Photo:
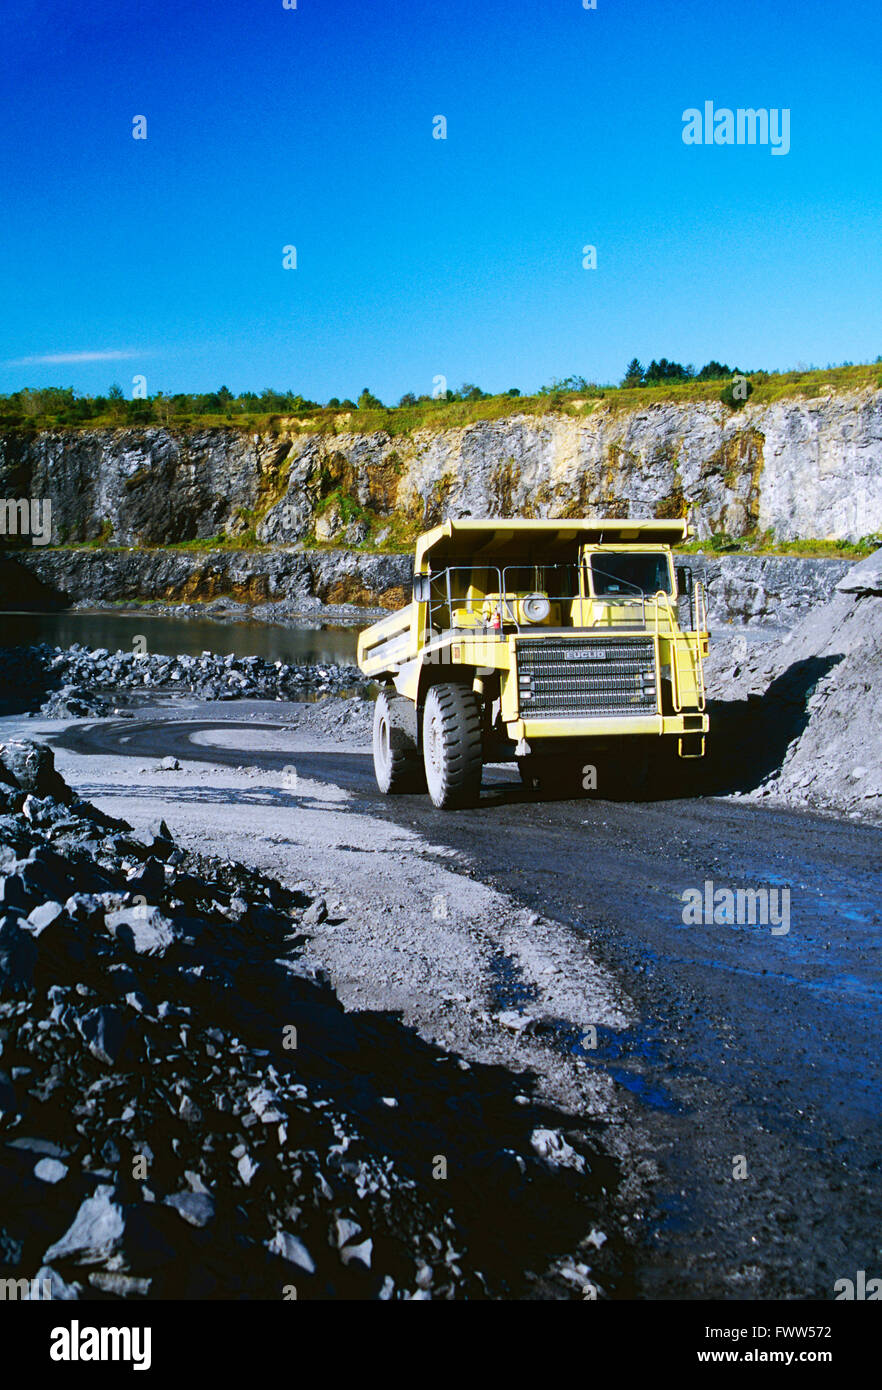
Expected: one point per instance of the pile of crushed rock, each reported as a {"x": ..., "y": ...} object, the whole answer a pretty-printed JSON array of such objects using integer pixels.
[
  {"x": 811, "y": 701},
  {"x": 76, "y": 682}
]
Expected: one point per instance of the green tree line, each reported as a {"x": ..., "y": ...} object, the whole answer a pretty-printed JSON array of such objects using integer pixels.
[{"x": 38, "y": 407}]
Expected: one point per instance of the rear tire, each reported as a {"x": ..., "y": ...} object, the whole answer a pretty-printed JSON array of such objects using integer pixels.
[
  {"x": 452, "y": 745},
  {"x": 397, "y": 765}
]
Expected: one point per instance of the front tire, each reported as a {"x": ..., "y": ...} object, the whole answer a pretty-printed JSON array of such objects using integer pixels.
[
  {"x": 452, "y": 745},
  {"x": 396, "y": 760}
]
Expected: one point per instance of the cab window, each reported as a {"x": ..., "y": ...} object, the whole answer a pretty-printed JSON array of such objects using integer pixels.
[{"x": 629, "y": 575}]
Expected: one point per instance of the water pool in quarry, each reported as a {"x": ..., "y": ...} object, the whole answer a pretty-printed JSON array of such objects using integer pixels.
[{"x": 181, "y": 636}]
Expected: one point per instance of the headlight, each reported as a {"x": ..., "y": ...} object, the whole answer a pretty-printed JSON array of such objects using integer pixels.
[{"x": 535, "y": 608}]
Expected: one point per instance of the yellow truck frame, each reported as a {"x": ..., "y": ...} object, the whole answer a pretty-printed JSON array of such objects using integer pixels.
[{"x": 537, "y": 641}]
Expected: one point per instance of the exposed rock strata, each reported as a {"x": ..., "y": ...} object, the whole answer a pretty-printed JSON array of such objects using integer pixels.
[{"x": 800, "y": 466}]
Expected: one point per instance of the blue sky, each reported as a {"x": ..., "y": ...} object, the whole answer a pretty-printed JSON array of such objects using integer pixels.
[{"x": 416, "y": 257}]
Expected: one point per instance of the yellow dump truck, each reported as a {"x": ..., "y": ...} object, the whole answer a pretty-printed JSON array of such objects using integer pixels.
[{"x": 543, "y": 642}]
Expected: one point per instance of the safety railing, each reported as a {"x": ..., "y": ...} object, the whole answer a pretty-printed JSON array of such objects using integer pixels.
[
  {"x": 625, "y": 610},
  {"x": 447, "y": 599},
  {"x": 513, "y": 583}
]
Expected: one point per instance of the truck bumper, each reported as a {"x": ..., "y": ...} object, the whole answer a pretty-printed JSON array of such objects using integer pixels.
[{"x": 688, "y": 722}]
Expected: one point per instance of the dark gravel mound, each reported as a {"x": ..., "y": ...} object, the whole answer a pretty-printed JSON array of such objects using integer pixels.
[{"x": 798, "y": 718}]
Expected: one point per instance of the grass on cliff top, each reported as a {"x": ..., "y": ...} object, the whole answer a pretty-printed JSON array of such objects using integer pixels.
[
  {"x": 723, "y": 544},
  {"x": 767, "y": 387}
]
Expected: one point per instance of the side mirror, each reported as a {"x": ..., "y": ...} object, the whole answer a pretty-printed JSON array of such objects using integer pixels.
[
  {"x": 422, "y": 585},
  {"x": 684, "y": 581}
]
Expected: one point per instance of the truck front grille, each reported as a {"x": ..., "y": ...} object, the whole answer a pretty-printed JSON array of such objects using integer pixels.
[{"x": 562, "y": 677}]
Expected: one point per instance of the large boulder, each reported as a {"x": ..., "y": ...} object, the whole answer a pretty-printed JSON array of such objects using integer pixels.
[
  {"x": 142, "y": 928},
  {"x": 864, "y": 578},
  {"x": 31, "y": 767}
]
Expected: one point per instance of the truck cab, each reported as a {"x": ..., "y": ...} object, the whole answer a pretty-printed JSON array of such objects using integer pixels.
[{"x": 536, "y": 641}]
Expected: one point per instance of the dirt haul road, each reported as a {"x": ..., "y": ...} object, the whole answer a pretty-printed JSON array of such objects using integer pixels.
[{"x": 736, "y": 1069}]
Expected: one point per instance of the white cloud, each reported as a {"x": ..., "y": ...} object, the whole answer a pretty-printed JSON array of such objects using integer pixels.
[{"x": 50, "y": 359}]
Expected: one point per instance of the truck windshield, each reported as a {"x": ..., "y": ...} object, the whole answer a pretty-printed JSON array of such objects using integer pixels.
[{"x": 623, "y": 574}]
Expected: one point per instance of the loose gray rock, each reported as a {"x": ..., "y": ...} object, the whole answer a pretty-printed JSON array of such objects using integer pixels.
[
  {"x": 263, "y": 1103},
  {"x": 148, "y": 879},
  {"x": 97, "y": 1230},
  {"x": 196, "y": 1208},
  {"x": 317, "y": 912},
  {"x": 123, "y": 1285},
  {"x": 50, "y": 1170},
  {"x": 247, "y": 1168},
  {"x": 38, "y": 1146},
  {"x": 292, "y": 1249},
  {"x": 144, "y": 928},
  {"x": 346, "y": 1230},
  {"x": 104, "y": 1031},
  {"x": 44, "y": 915},
  {"x": 60, "y": 1291},
  {"x": 551, "y": 1145},
  {"x": 157, "y": 837},
  {"x": 362, "y": 1252}
]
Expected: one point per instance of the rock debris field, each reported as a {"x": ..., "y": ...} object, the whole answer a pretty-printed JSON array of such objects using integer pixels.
[{"x": 187, "y": 1111}]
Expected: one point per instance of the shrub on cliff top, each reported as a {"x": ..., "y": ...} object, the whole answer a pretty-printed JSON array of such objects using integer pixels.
[{"x": 735, "y": 392}]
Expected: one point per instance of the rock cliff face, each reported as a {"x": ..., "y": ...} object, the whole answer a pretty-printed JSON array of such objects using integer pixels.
[
  {"x": 764, "y": 590},
  {"x": 801, "y": 467},
  {"x": 47, "y": 578}
]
